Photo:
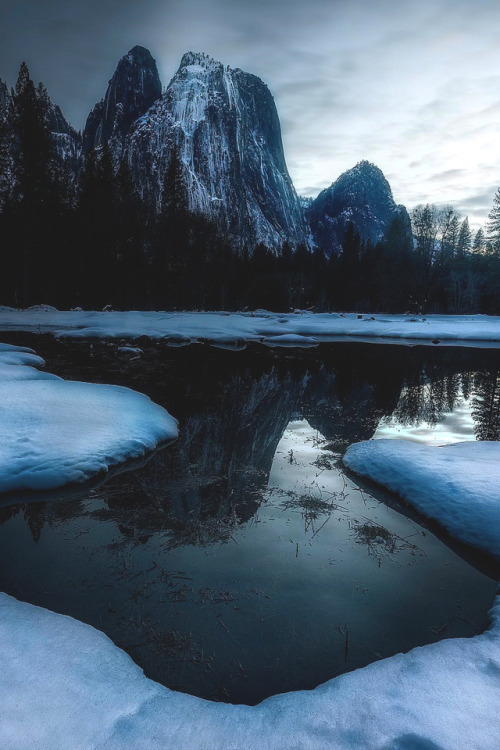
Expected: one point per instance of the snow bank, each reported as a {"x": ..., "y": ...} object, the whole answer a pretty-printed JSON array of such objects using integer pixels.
[
  {"x": 457, "y": 485},
  {"x": 473, "y": 330},
  {"x": 55, "y": 432},
  {"x": 65, "y": 685}
]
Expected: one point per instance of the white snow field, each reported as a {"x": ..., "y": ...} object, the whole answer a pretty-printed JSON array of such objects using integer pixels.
[
  {"x": 457, "y": 485},
  {"x": 471, "y": 330},
  {"x": 65, "y": 686},
  {"x": 55, "y": 432}
]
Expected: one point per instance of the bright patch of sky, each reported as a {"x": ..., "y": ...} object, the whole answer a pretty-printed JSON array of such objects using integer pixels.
[{"x": 412, "y": 86}]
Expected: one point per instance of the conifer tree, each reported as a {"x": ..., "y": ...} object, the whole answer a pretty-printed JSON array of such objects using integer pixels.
[
  {"x": 479, "y": 242},
  {"x": 493, "y": 226},
  {"x": 174, "y": 197},
  {"x": 34, "y": 175},
  {"x": 464, "y": 242}
]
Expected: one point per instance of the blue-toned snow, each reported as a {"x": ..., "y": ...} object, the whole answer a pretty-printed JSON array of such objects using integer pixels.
[
  {"x": 457, "y": 485},
  {"x": 55, "y": 432},
  {"x": 273, "y": 328}
]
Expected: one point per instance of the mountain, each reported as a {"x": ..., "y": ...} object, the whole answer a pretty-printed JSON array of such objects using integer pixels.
[
  {"x": 132, "y": 90},
  {"x": 4, "y": 98},
  {"x": 67, "y": 141},
  {"x": 362, "y": 196},
  {"x": 226, "y": 129}
]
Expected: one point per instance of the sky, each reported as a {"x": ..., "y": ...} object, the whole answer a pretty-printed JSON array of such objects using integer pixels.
[{"x": 411, "y": 85}]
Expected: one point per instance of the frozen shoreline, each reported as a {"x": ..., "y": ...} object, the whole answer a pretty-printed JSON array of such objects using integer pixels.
[
  {"x": 65, "y": 685},
  {"x": 55, "y": 432},
  {"x": 456, "y": 485},
  {"x": 274, "y": 329}
]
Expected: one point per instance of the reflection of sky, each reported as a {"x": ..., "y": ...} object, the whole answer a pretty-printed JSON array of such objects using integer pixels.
[
  {"x": 455, "y": 427},
  {"x": 298, "y": 448},
  {"x": 411, "y": 85}
]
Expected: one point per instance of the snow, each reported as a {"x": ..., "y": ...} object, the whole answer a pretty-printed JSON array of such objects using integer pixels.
[
  {"x": 55, "y": 432},
  {"x": 132, "y": 351},
  {"x": 291, "y": 339},
  {"x": 469, "y": 330},
  {"x": 457, "y": 485},
  {"x": 65, "y": 685}
]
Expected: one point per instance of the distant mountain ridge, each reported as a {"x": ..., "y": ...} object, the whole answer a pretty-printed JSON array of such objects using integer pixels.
[
  {"x": 224, "y": 125},
  {"x": 361, "y": 195}
]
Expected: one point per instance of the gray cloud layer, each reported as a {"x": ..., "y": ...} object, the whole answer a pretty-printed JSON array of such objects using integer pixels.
[{"x": 407, "y": 84}]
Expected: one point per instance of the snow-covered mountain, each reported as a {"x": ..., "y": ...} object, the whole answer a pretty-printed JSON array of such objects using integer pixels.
[
  {"x": 67, "y": 141},
  {"x": 361, "y": 195},
  {"x": 134, "y": 87},
  {"x": 226, "y": 128}
]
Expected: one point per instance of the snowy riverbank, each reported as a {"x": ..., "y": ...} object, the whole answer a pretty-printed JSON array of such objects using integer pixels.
[
  {"x": 65, "y": 685},
  {"x": 274, "y": 329},
  {"x": 457, "y": 485},
  {"x": 55, "y": 432}
]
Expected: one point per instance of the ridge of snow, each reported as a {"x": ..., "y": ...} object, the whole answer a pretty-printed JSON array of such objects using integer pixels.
[
  {"x": 64, "y": 684},
  {"x": 468, "y": 330},
  {"x": 457, "y": 485},
  {"x": 55, "y": 432}
]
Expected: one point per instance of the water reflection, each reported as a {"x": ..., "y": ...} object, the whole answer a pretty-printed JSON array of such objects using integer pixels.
[
  {"x": 231, "y": 564},
  {"x": 234, "y": 407}
]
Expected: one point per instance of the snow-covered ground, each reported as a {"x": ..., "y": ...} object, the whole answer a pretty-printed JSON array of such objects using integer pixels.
[
  {"x": 457, "y": 485},
  {"x": 272, "y": 328},
  {"x": 55, "y": 432},
  {"x": 65, "y": 685}
]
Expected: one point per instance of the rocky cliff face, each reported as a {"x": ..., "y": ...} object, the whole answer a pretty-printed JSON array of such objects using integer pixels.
[
  {"x": 132, "y": 90},
  {"x": 67, "y": 142},
  {"x": 361, "y": 195},
  {"x": 225, "y": 126},
  {"x": 4, "y": 98}
]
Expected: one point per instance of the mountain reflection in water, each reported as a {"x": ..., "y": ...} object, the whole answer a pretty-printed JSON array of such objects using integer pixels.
[{"x": 241, "y": 559}]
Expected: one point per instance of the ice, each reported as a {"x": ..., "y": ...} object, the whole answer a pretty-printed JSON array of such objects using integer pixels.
[
  {"x": 468, "y": 330},
  {"x": 55, "y": 432},
  {"x": 457, "y": 485}
]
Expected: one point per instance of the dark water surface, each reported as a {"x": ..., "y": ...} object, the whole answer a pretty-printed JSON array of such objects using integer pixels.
[{"x": 242, "y": 561}]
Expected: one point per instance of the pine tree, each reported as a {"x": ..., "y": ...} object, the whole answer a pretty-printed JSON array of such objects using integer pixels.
[
  {"x": 130, "y": 286},
  {"x": 464, "y": 242},
  {"x": 479, "y": 242},
  {"x": 33, "y": 193},
  {"x": 493, "y": 226},
  {"x": 34, "y": 144},
  {"x": 174, "y": 196},
  {"x": 486, "y": 405}
]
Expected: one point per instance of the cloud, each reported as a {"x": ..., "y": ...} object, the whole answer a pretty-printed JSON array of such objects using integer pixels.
[
  {"x": 447, "y": 175},
  {"x": 411, "y": 91}
]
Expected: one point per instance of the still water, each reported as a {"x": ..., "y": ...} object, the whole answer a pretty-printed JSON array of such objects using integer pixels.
[{"x": 242, "y": 560}]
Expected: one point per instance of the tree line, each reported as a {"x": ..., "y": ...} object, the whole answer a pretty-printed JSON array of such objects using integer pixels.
[{"x": 88, "y": 239}]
